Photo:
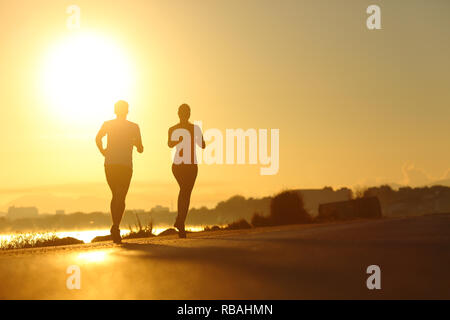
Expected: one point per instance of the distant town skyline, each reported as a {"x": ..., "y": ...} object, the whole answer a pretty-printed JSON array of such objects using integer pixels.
[{"x": 145, "y": 199}]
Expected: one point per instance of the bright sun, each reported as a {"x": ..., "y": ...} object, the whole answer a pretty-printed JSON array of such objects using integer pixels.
[{"x": 84, "y": 75}]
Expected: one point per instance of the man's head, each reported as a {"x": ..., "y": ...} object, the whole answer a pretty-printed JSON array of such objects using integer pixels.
[
  {"x": 121, "y": 109},
  {"x": 184, "y": 112}
]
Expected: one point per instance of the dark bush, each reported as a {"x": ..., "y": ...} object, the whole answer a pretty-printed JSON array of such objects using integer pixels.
[
  {"x": 237, "y": 225},
  {"x": 168, "y": 232},
  {"x": 213, "y": 228},
  {"x": 287, "y": 208},
  {"x": 258, "y": 220}
]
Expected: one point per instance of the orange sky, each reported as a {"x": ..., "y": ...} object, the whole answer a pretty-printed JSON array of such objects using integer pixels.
[{"x": 354, "y": 107}]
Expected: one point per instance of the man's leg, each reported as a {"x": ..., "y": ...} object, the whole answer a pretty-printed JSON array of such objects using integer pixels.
[
  {"x": 119, "y": 205},
  {"x": 119, "y": 181},
  {"x": 111, "y": 178},
  {"x": 116, "y": 208},
  {"x": 124, "y": 179}
]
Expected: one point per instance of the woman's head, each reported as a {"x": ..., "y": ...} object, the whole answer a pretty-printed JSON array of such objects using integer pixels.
[{"x": 184, "y": 112}]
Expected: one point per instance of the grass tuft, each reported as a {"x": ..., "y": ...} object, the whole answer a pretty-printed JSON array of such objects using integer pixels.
[{"x": 36, "y": 240}]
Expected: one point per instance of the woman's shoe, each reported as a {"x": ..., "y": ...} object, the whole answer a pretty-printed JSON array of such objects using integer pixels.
[
  {"x": 182, "y": 234},
  {"x": 178, "y": 225},
  {"x": 181, "y": 230},
  {"x": 115, "y": 234}
]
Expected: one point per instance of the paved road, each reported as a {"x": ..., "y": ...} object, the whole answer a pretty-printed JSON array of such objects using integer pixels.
[{"x": 292, "y": 262}]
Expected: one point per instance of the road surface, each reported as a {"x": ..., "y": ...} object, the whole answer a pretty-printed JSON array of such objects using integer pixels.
[{"x": 322, "y": 261}]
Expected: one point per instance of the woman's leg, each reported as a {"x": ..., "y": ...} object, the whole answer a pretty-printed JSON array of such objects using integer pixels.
[{"x": 186, "y": 176}]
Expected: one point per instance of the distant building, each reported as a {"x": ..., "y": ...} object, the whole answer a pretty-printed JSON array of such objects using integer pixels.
[
  {"x": 134, "y": 211},
  {"x": 60, "y": 212},
  {"x": 15, "y": 213},
  {"x": 312, "y": 198},
  {"x": 159, "y": 209}
]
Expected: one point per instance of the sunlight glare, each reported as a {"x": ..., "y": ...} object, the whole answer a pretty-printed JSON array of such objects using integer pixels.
[
  {"x": 93, "y": 257},
  {"x": 85, "y": 75}
]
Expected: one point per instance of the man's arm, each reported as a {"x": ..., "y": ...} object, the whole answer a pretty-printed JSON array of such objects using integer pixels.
[
  {"x": 138, "y": 142},
  {"x": 98, "y": 139}
]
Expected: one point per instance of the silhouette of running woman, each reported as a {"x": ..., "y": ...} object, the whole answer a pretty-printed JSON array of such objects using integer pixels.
[
  {"x": 184, "y": 136},
  {"x": 122, "y": 136}
]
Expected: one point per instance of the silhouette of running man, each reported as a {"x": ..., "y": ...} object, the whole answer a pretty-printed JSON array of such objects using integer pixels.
[
  {"x": 122, "y": 136},
  {"x": 184, "y": 136}
]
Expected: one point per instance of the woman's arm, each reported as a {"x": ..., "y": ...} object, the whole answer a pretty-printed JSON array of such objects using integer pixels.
[
  {"x": 171, "y": 143},
  {"x": 203, "y": 143},
  {"x": 199, "y": 137}
]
